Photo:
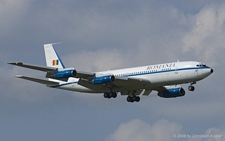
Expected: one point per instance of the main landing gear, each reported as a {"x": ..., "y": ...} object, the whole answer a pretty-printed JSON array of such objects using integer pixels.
[
  {"x": 133, "y": 99},
  {"x": 110, "y": 95},
  {"x": 191, "y": 87}
]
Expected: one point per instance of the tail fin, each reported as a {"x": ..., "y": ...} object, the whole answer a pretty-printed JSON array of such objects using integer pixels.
[{"x": 52, "y": 58}]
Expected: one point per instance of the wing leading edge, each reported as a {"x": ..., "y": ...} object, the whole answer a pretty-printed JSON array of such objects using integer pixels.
[{"x": 35, "y": 67}]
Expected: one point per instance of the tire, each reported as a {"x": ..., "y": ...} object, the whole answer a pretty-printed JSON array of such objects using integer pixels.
[
  {"x": 114, "y": 94},
  {"x": 137, "y": 99},
  {"x": 191, "y": 88},
  {"x": 106, "y": 95},
  {"x": 128, "y": 99}
]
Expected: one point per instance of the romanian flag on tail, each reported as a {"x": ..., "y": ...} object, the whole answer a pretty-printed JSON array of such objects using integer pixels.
[{"x": 55, "y": 62}]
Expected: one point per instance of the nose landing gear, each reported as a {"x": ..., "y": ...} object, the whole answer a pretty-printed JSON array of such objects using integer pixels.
[{"x": 191, "y": 87}]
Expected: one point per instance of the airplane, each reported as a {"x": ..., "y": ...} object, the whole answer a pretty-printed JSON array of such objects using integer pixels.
[{"x": 132, "y": 82}]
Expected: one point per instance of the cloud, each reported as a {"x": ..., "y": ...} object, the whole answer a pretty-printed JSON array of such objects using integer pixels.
[
  {"x": 206, "y": 36},
  {"x": 138, "y": 130},
  {"x": 211, "y": 134},
  {"x": 215, "y": 134},
  {"x": 140, "y": 33},
  {"x": 95, "y": 60}
]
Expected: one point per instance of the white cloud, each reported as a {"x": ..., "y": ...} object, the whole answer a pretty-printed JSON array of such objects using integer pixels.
[
  {"x": 215, "y": 134},
  {"x": 95, "y": 60},
  {"x": 211, "y": 134},
  {"x": 138, "y": 130},
  {"x": 206, "y": 37}
]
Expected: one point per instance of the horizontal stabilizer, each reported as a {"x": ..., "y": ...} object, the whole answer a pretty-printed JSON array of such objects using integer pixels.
[
  {"x": 41, "y": 81},
  {"x": 40, "y": 68}
]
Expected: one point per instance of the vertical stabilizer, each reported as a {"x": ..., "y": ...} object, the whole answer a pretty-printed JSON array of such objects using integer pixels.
[{"x": 52, "y": 58}]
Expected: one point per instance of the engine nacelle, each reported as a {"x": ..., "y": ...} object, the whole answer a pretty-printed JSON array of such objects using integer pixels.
[
  {"x": 61, "y": 74},
  {"x": 103, "y": 79},
  {"x": 172, "y": 92}
]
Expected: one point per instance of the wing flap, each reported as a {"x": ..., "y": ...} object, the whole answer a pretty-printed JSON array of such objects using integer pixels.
[
  {"x": 41, "y": 81},
  {"x": 35, "y": 67}
]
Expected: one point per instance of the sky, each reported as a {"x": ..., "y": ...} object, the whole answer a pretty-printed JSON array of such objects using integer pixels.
[{"x": 101, "y": 35}]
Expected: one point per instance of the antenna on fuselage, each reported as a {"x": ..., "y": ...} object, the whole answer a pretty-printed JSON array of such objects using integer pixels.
[{"x": 178, "y": 61}]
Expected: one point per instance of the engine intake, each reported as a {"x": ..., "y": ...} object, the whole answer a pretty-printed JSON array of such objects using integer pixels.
[
  {"x": 61, "y": 74},
  {"x": 103, "y": 79},
  {"x": 172, "y": 92}
]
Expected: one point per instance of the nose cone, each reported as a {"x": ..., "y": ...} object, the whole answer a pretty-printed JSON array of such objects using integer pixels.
[{"x": 211, "y": 70}]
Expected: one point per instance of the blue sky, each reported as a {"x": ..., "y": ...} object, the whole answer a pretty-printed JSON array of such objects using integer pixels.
[{"x": 102, "y": 35}]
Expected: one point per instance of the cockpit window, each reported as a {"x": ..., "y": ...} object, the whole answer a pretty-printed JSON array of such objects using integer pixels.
[{"x": 201, "y": 65}]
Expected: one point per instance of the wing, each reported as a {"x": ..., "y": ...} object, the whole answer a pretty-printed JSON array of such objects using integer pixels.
[
  {"x": 41, "y": 81},
  {"x": 119, "y": 84},
  {"x": 35, "y": 67}
]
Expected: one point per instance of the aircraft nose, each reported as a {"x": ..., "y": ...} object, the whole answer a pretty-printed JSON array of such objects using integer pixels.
[{"x": 211, "y": 70}]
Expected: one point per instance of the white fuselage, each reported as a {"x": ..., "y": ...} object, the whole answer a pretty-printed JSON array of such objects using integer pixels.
[{"x": 159, "y": 75}]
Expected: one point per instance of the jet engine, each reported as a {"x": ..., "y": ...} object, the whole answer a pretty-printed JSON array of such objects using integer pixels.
[
  {"x": 61, "y": 74},
  {"x": 172, "y": 92},
  {"x": 103, "y": 79}
]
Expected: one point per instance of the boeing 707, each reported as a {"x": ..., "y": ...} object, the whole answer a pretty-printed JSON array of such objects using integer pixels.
[{"x": 132, "y": 82}]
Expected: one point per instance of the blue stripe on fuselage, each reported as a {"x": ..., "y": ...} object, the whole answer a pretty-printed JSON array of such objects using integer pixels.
[{"x": 154, "y": 72}]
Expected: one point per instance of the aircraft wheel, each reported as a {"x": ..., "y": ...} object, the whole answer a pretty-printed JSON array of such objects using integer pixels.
[
  {"x": 134, "y": 98},
  {"x": 191, "y": 88},
  {"x": 137, "y": 99},
  {"x": 128, "y": 99},
  {"x": 114, "y": 94},
  {"x": 110, "y": 95},
  {"x": 106, "y": 95}
]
